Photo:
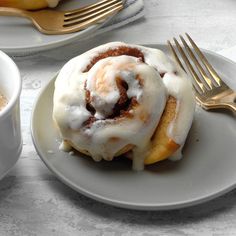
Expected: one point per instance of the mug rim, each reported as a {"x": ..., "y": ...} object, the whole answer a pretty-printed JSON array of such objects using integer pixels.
[{"x": 14, "y": 98}]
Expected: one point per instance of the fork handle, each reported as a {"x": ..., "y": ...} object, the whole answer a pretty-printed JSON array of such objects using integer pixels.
[
  {"x": 232, "y": 107},
  {"x": 228, "y": 103},
  {"x": 11, "y": 11},
  {"x": 231, "y": 102}
]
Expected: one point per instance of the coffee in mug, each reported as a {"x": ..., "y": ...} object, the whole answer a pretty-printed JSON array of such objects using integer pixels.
[{"x": 3, "y": 102}]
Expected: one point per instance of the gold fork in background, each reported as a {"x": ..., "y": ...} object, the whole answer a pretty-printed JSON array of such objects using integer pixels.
[
  {"x": 63, "y": 22},
  {"x": 210, "y": 90}
]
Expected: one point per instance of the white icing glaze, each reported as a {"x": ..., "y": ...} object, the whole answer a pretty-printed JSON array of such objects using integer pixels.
[
  {"x": 64, "y": 146},
  {"x": 101, "y": 83},
  {"x": 180, "y": 88},
  {"x": 177, "y": 155},
  {"x": 105, "y": 137}
]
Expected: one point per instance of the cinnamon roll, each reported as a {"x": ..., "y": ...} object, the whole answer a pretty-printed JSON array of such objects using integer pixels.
[
  {"x": 118, "y": 98},
  {"x": 29, "y": 4}
]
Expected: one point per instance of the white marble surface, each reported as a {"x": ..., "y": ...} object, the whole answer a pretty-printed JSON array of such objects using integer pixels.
[{"x": 34, "y": 202}]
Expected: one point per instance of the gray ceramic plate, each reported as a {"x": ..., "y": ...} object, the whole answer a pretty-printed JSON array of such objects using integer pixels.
[
  {"x": 19, "y": 36},
  {"x": 206, "y": 171}
]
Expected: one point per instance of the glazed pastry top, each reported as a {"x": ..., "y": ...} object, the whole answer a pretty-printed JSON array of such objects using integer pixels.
[{"x": 119, "y": 100}]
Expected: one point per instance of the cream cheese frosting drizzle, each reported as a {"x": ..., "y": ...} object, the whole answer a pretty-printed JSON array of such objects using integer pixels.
[{"x": 94, "y": 129}]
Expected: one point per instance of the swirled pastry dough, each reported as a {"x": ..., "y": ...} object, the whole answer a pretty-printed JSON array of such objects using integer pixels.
[{"x": 111, "y": 99}]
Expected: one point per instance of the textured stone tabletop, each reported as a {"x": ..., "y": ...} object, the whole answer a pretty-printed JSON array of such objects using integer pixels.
[{"x": 34, "y": 202}]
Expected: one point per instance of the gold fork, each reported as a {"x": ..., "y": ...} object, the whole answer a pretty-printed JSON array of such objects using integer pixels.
[
  {"x": 210, "y": 90},
  {"x": 62, "y": 22}
]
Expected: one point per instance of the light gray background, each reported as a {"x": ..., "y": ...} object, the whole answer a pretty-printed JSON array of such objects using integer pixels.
[{"x": 34, "y": 202}]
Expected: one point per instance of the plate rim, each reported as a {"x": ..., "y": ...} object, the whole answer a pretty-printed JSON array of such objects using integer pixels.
[
  {"x": 117, "y": 203},
  {"x": 69, "y": 38}
]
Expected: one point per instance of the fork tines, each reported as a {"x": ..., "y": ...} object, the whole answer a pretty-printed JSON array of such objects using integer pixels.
[
  {"x": 91, "y": 11},
  {"x": 203, "y": 79}
]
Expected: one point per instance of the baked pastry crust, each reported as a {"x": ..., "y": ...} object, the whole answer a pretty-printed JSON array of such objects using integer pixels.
[
  {"x": 28, "y": 4},
  {"x": 162, "y": 146}
]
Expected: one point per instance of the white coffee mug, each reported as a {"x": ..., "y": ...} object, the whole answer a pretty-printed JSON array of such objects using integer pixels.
[{"x": 10, "y": 131}]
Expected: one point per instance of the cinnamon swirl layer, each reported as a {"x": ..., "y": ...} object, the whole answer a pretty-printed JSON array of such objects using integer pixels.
[{"x": 109, "y": 101}]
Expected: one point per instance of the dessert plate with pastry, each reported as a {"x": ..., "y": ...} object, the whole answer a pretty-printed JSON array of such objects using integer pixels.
[
  {"x": 13, "y": 30},
  {"x": 119, "y": 124}
]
